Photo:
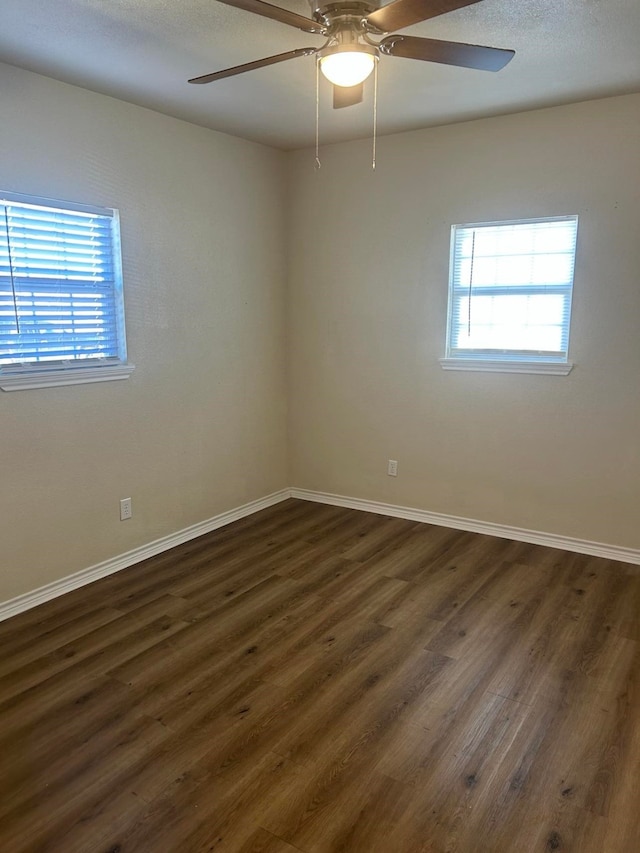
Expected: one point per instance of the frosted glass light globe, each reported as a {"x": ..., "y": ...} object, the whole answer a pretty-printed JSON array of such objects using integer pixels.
[{"x": 347, "y": 67}]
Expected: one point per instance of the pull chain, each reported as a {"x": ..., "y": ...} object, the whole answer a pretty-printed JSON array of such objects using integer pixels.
[
  {"x": 13, "y": 283},
  {"x": 473, "y": 255},
  {"x": 318, "y": 164},
  {"x": 375, "y": 112}
]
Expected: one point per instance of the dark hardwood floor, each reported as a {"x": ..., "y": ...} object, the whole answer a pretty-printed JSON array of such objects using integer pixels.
[{"x": 318, "y": 679}]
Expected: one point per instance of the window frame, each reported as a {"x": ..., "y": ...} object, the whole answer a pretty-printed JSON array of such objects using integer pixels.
[
  {"x": 521, "y": 361},
  {"x": 20, "y": 376}
]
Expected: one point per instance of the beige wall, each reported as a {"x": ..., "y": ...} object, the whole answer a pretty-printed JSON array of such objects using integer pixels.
[
  {"x": 367, "y": 305},
  {"x": 200, "y": 426}
]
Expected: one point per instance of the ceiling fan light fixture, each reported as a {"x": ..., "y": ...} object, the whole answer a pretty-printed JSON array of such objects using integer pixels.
[{"x": 348, "y": 64}]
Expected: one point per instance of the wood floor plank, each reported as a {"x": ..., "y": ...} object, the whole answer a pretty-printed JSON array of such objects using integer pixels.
[
  {"x": 264, "y": 842},
  {"x": 26, "y": 650},
  {"x": 306, "y": 812},
  {"x": 113, "y": 642},
  {"x": 51, "y": 807},
  {"x": 314, "y": 679},
  {"x": 30, "y": 741}
]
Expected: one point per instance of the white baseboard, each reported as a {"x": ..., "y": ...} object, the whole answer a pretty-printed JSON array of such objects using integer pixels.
[
  {"x": 123, "y": 561},
  {"x": 552, "y": 540}
]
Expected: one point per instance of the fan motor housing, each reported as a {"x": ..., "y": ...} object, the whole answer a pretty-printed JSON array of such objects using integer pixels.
[{"x": 349, "y": 13}]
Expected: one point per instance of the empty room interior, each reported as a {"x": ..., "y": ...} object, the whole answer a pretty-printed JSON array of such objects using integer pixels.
[{"x": 320, "y": 419}]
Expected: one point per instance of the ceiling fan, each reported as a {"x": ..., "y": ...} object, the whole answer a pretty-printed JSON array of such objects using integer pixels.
[{"x": 353, "y": 31}]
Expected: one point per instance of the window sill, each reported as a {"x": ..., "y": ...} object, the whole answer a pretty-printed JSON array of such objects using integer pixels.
[
  {"x": 64, "y": 376},
  {"x": 558, "y": 368}
]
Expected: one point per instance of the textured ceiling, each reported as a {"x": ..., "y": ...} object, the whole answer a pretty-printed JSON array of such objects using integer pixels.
[{"x": 143, "y": 51}]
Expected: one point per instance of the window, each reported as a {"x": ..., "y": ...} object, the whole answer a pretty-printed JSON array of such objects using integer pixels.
[
  {"x": 61, "y": 306},
  {"x": 510, "y": 295}
]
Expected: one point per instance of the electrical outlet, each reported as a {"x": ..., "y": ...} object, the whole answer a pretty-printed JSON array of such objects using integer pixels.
[
  {"x": 392, "y": 468},
  {"x": 126, "y": 510}
]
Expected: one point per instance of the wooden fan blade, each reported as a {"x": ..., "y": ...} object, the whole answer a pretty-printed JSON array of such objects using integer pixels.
[
  {"x": 447, "y": 52},
  {"x": 347, "y": 96},
  {"x": 404, "y": 13},
  {"x": 277, "y": 14},
  {"x": 250, "y": 66}
]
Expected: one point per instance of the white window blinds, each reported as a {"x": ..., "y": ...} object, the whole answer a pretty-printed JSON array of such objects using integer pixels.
[
  {"x": 60, "y": 285},
  {"x": 510, "y": 290}
]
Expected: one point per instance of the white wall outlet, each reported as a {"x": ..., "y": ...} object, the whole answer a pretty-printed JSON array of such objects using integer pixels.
[
  {"x": 126, "y": 511},
  {"x": 392, "y": 468}
]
